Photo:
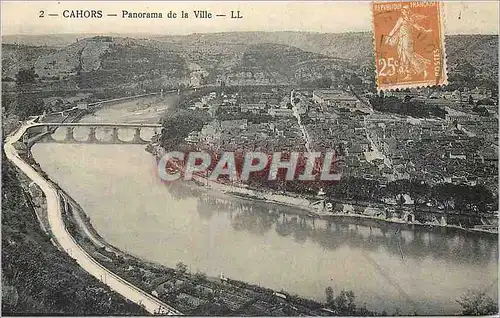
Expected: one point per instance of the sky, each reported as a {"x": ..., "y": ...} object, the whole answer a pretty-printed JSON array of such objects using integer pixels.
[{"x": 22, "y": 17}]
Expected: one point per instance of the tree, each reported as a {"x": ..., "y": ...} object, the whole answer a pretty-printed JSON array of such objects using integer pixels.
[
  {"x": 420, "y": 193},
  {"x": 324, "y": 82},
  {"x": 181, "y": 267},
  {"x": 200, "y": 276},
  {"x": 340, "y": 149},
  {"x": 477, "y": 303},
  {"x": 444, "y": 194},
  {"x": 485, "y": 101},
  {"x": 27, "y": 105},
  {"x": 473, "y": 199},
  {"x": 329, "y": 296},
  {"x": 397, "y": 189},
  {"x": 177, "y": 125},
  {"x": 471, "y": 100},
  {"x": 345, "y": 303},
  {"x": 481, "y": 110},
  {"x": 25, "y": 76}
]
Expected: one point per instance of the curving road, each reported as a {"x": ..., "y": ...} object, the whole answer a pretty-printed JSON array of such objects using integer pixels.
[{"x": 66, "y": 241}]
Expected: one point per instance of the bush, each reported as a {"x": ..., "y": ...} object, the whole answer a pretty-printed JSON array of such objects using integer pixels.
[
  {"x": 477, "y": 303},
  {"x": 25, "y": 76}
]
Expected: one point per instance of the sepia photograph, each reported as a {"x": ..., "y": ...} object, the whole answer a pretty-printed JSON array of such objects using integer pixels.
[{"x": 249, "y": 158}]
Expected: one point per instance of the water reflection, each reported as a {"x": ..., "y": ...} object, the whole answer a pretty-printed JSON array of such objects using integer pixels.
[
  {"x": 405, "y": 241},
  {"x": 386, "y": 265},
  {"x": 271, "y": 245}
]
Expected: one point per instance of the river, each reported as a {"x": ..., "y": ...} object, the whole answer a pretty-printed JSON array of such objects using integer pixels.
[{"x": 388, "y": 266}]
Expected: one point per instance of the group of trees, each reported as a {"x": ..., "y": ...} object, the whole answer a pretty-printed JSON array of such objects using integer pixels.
[
  {"x": 477, "y": 303},
  {"x": 473, "y": 303},
  {"x": 177, "y": 124},
  {"x": 478, "y": 106},
  {"x": 181, "y": 267},
  {"x": 24, "y": 105},
  {"x": 465, "y": 75},
  {"x": 459, "y": 197},
  {"x": 251, "y": 117},
  {"x": 323, "y": 82},
  {"x": 408, "y": 106},
  {"x": 26, "y": 76},
  {"x": 344, "y": 304},
  {"x": 465, "y": 199}
]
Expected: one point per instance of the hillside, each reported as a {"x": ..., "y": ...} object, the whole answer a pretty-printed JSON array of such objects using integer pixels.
[
  {"x": 37, "y": 278},
  {"x": 127, "y": 62},
  {"x": 476, "y": 55},
  {"x": 269, "y": 63},
  {"x": 97, "y": 62},
  {"x": 332, "y": 44},
  {"x": 237, "y": 57},
  {"x": 235, "y": 50},
  {"x": 16, "y": 56},
  {"x": 54, "y": 40}
]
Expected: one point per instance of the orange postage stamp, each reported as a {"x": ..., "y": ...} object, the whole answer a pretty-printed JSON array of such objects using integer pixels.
[{"x": 409, "y": 44}]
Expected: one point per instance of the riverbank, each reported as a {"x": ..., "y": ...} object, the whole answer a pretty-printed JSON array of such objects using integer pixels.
[
  {"x": 170, "y": 222},
  {"x": 319, "y": 210},
  {"x": 33, "y": 257},
  {"x": 151, "y": 214},
  {"x": 312, "y": 212},
  {"x": 192, "y": 293},
  {"x": 37, "y": 277}
]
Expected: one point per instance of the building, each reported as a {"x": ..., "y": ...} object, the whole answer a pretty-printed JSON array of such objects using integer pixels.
[
  {"x": 82, "y": 106},
  {"x": 335, "y": 98},
  {"x": 233, "y": 124},
  {"x": 252, "y": 108},
  {"x": 460, "y": 117},
  {"x": 280, "y": 112}
]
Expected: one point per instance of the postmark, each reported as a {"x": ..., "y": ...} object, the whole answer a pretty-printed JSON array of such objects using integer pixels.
[{"x": 409, "y": 44}]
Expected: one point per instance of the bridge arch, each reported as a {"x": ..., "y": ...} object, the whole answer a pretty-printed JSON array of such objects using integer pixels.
[{"x": 96, "y": 133}]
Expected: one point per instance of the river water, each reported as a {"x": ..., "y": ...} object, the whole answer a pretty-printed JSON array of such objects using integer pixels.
[{"x": 388, "y": 266}]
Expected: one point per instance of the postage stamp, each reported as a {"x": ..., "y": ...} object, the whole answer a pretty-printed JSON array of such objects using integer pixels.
[{"x": 409, "y": 44}]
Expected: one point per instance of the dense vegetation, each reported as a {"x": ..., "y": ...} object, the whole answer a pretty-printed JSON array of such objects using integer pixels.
[
  {"x": 408, "y": 107},
  {"x": 477, "y": 303},
  {"x": 177, "y": 124},
  {"x": 131, "y": 64},
  {"x": 39, "y": 279},
  {"x": 472, "y": 61},
  {"x": 466, "y": 200},
  {"x": 23, "y": 105},
  {"x": 250, "y": 117},
  {"x": 26, "y": 76},
  {"x": 274, "y": 58}
]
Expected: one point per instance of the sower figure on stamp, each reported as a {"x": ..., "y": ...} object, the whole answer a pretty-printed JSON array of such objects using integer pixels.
[{"x": 411, "y": 63}]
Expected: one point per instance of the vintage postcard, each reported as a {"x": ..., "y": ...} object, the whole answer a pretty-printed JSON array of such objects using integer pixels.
[{"x": 258, "y": 158}]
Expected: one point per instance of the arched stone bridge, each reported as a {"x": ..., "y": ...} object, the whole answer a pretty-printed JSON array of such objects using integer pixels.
[{"x": 88, "y": 133}]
